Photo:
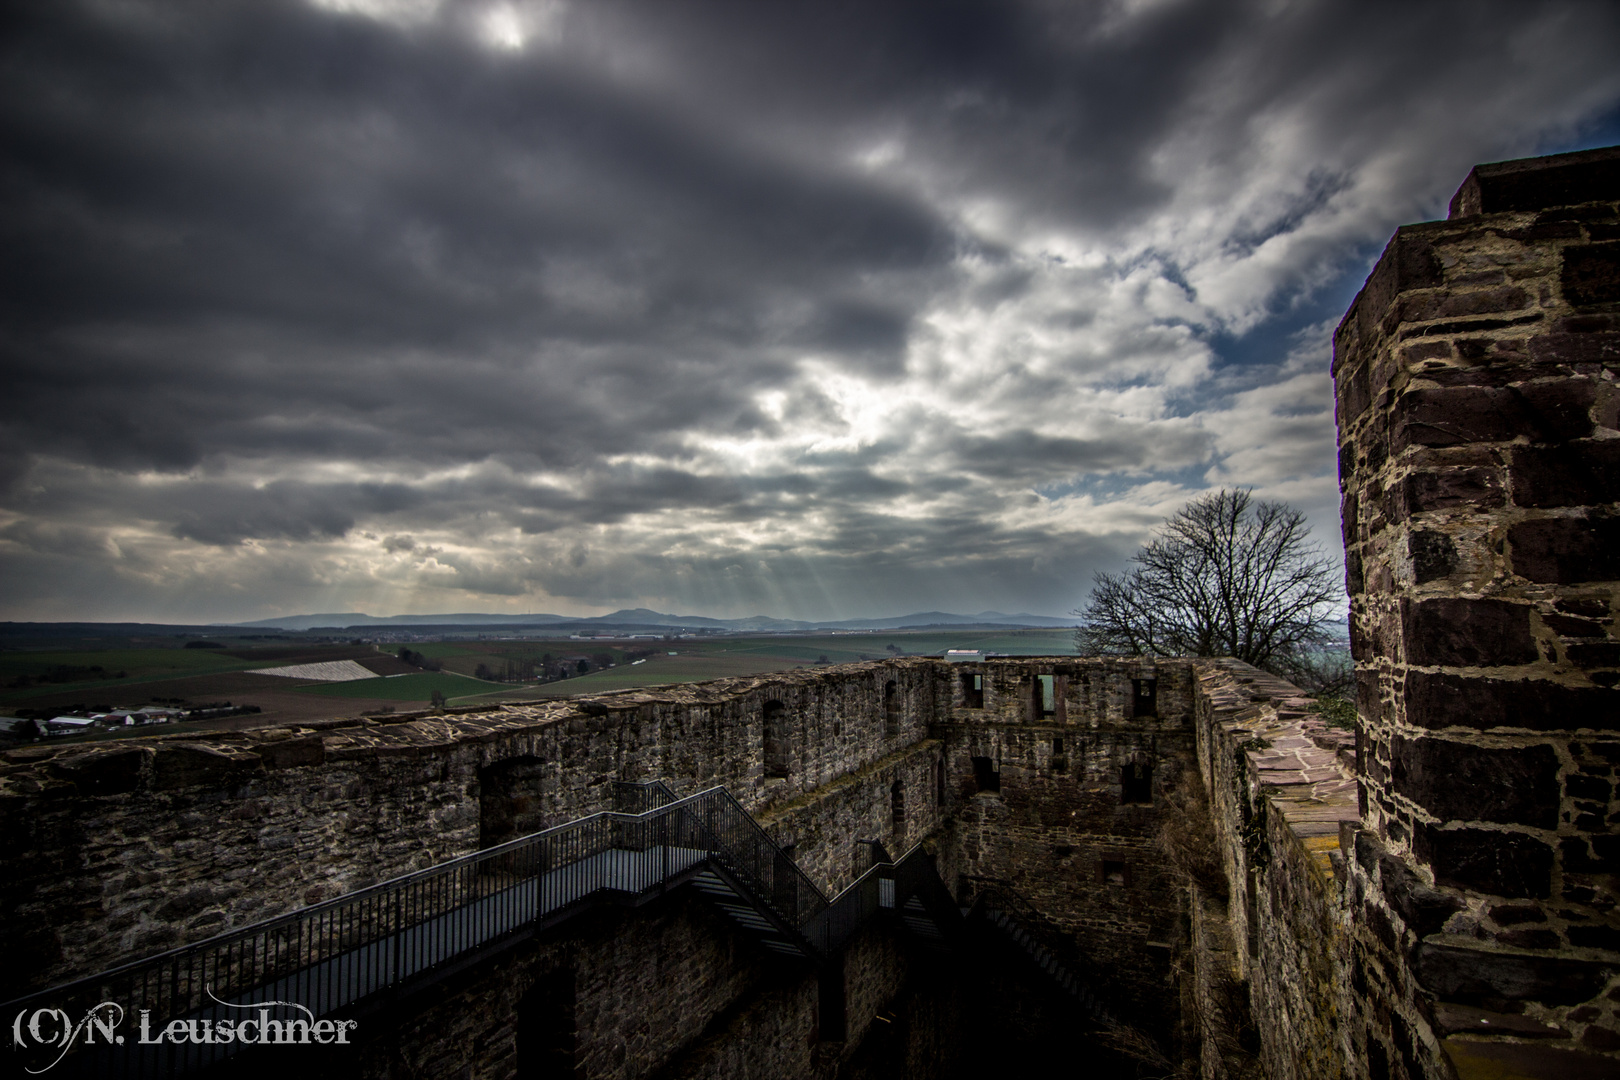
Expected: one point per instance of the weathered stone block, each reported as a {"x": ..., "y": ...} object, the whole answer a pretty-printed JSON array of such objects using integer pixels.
[
  {"x": 1467, "y": 633},
  {"x": 1468, "y": 973},
  {"x": 1437, "y": 701},
  {"x": 1591, "y": 274},
  {"x": 1451, "y": 305},
  {"x": 1587, "y": 787},
  {"x": 1575, "y": 348},
  {"x": 1441, "y": 489},
  {"x": 1581, "y": 473},
  {"x": 1451, "y": 416},
  {"x": 1557, "y": 180},
  {"x": 188, "y": 764},
  {"x": 1423, "y": 909},
  {"x": 1558, "y": 409},
  {"x": 1589, "y": 855},
  {"x": 290, "y": 753},
  {"x": 1353, "y": 394},
  {"x": 103, "y": 772},
  {"x": 1458, "y": 781},
  {"x": 1486, "y": 860},
  {"x": 1565, "y": 551},
  {"x": 1433, "y": 555}
]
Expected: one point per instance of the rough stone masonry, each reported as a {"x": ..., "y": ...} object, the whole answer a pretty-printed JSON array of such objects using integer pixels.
[{"x": 1480, "y": 466}]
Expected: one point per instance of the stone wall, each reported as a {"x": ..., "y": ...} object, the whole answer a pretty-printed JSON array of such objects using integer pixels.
[
  {"x": 1058, "y": 824},
  {"x": 1279, "y": 784},
  {"x": 121, "y": 849},
  {"x": 1479, "y": 429}
]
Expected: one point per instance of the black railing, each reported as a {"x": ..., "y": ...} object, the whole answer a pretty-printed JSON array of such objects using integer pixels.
[
  {"x": 885, "y": 885},
  {"x": 333, "y": 955}
]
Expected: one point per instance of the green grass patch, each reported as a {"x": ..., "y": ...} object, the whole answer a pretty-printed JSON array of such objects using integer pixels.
[
  {"x": 1337, "y": 712},
  {"x": 418, "y": 687},
  {"x": 26, "y": 675}
]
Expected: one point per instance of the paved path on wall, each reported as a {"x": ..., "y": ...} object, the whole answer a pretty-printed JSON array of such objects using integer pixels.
[{"x": 1295, "y": 755}]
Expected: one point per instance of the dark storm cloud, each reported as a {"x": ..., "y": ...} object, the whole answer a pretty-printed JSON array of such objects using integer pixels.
[
  {"x": 802, "y": 307},
  {"x": 258, "y": 210}
]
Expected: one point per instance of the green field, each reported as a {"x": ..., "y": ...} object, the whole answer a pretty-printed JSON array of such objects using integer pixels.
[
  {"x": 136, "y": 665},
  {"x": 418, "y": 687},
  {"x": 21, "y": 670},
  {"x": 697, "y": 659},
  {"x": 124, "y": 671}
]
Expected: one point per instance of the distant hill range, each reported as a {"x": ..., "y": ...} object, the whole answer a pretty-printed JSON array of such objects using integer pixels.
[{"x": 641, "y": 618}]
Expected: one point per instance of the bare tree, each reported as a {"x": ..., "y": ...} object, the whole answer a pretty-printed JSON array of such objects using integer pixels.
[{"x": 1225, "y": 576}]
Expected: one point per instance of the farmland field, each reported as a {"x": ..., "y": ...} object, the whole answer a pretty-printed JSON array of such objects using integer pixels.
[
  {"x": 721, "y": 657},
  {"x": 417, "y": 687},
  {"x": 42, "y": 682},
  {"x": 126, "y": 676}
]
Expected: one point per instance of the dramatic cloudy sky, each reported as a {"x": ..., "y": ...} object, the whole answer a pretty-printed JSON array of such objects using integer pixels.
[{"x": 808, "y": 309}]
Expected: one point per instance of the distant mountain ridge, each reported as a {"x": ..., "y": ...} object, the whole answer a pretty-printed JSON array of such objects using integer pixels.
[{"x": 645, "y": 617}]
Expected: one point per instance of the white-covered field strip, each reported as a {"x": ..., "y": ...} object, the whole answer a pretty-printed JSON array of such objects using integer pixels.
[{"x": 326, "y": 671}]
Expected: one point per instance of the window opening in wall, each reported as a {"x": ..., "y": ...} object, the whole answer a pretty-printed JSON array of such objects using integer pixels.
[
  {"x": 972, "y": 691},
  {"x": 985, "y": 775},
  {"x": 546, "y": 1027},
  {"x": 1115, "y": 873},
  {"x": 778, "y": 746},
  {"x": 1060, "y": 761},
  {"x": 1136, "y": 783},
  {"x": 509, "y": 803},
  {"x": 1144, "y": 697},
  {"x": 897, "y": 807},
  {"x": 1045, "y": 696},
  {"x": 891, "y": 710}
]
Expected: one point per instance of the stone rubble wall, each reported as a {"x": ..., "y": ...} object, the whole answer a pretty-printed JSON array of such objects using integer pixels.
[
  {"x": 1279, "y": 787},
  {"x": 1059, "y": 817},
  {"x": 124, "y": 848},
  {"x": 1479, "y": 428}
]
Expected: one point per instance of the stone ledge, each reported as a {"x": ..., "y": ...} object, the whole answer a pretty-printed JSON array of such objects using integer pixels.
[{"x": 1293, "y": 757}]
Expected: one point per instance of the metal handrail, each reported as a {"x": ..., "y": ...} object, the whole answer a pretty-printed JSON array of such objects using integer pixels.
[
  {"x": 887, "y": 883},
  {"x": 335, "y": 953},
  {"x": 331, "y": 956}
]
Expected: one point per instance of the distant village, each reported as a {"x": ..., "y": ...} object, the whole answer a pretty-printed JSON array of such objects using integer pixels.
[{"x": 25, "y": 729}]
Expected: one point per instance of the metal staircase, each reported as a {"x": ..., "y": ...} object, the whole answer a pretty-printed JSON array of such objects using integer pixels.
[
  {"x": 1017, "y": 921},
  {"x": 366, "y": 950}
]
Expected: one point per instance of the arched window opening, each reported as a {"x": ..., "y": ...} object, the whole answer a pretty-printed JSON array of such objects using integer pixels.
[
  {"x": 1136, "y": 782},
  {"x": 1043, "y": 698},
  {"x": 897, "y": 807},
  {"x": 778, "y": 744},
  {"x": 891, "y": 710},
  {"x": 1144, "y": 697},
  {"x": 509, "y": 803}
]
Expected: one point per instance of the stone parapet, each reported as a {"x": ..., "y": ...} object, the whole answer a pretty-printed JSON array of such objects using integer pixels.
[{"x": 1279, "y": 793}]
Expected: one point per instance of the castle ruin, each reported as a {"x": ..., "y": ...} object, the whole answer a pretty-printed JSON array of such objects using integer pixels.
[{"x": 923, "y": 868}]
